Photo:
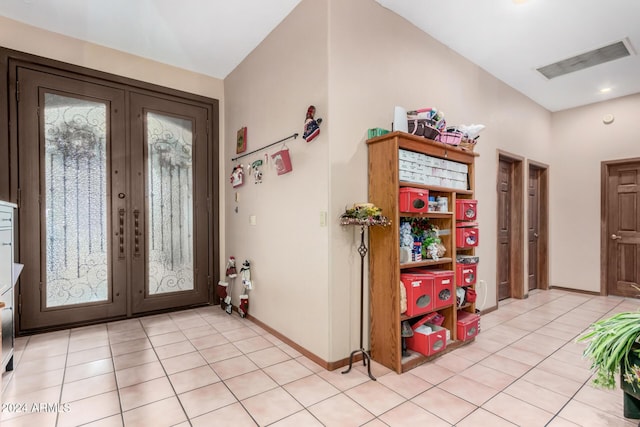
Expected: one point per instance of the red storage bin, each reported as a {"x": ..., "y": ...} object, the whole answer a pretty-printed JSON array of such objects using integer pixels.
[
  {"x": 443, "y": 294},
  {"x": 468, "y": 325},
  {"x": 466, "y": 210},
  {"x": 419, "y": 289},
  {"x": 467, "y": 235},
  {"x": 427, "y": 344},
  {"x": 414, "y": 200},
  {"x": 466, "y": 274}
]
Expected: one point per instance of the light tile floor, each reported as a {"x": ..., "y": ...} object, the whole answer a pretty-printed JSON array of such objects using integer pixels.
[{"x": 202, "y": 367}]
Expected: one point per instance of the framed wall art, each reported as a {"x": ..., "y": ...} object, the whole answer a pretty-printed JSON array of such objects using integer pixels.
[{"x": 241, "y": 142}]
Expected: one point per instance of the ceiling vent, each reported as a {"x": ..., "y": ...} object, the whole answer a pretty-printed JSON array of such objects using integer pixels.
[{"x": 589, "y": 59}]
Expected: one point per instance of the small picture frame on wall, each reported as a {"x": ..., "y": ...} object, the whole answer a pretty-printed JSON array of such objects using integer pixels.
[{"x": 241, "y": 143}]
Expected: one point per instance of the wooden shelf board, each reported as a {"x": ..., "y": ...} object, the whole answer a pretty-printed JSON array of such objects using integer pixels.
[
  {"x": 426, "y": 214},
  {"x": 428, "y": 263},
  {"x": 405, "y": 317},
  {"x": 434, "y": 188},
  {"x": 416, "y": 359}
]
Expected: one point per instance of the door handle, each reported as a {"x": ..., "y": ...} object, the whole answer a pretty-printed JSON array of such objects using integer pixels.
[
  {"x": 121, "y": 233},
  {"x": 535, "y": 235},
  {"x": 136, "y": 233},
  {"x": 615, "y": 237}
]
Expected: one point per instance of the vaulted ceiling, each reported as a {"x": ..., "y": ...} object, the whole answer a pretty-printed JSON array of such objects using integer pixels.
[{"x": 510, "y": 39}]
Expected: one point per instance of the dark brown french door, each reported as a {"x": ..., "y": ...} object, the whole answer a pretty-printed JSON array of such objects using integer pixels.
[
  {"x": 169, "y": 206},
  {"x": 113, "y": 192}
]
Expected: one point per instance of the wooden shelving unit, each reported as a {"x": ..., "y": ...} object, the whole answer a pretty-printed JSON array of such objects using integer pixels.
[{"x": 384, "y": 258}]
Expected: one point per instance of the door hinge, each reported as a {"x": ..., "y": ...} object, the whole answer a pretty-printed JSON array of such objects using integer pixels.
[
  {"x": 17, "y": 90},
  {"x": 19, "y": 304},
  {"x": 208, "y": 126}
]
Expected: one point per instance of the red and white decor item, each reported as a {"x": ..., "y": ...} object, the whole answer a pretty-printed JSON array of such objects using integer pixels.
[
  {"x": 419, "y": 288},
  {"x": 414, "y": 200},
  {"x": 466, "y": 210}
]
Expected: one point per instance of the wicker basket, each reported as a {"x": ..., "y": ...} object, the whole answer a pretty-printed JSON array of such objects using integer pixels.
[{"x": 467, "y": 144}]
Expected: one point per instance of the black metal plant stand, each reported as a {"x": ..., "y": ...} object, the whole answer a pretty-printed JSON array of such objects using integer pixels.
[{"x": 362, "y": 250}]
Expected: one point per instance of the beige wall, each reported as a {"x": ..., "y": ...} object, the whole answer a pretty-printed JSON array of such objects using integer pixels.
[
  {"x": 379, "y": 60},
  {"x": 269, "y": 93},
  {"x": 18, "y": 36},
  {"x": 581, "y": 142},
  {"x": 355, "y": 60}
]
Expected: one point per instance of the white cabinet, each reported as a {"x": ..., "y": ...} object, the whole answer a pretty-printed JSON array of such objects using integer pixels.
[{"x": 7, "y": 280}]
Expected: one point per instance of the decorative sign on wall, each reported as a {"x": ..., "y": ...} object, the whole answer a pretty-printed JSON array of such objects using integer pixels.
[
  {"x": 282, "y": 160},
  {"x": 237, "y": 176},
  {"x": 241, "y": 141}
]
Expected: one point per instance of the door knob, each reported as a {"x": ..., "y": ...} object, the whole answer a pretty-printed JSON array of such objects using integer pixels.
[
  {"x": 535, "y": 235},
  {"x": 614, "y": 237}
]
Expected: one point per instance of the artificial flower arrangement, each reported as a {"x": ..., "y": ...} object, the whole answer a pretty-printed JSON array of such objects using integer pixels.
[
  {"x": 364, "y": 214},
  {"x": 428, "y": 234},
  {"x": 421, "y": 230}
]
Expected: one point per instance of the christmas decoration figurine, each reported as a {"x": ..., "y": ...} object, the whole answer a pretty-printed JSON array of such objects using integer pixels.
[
  {"x": 237, "y": 176},
  {"x": 232, "y": 274},
  {"x": 231, "y": 267},
  {"x": 311, "y": 125},
  {"x": 245, "y": 273},
  {"x": 257, "y": 173}
]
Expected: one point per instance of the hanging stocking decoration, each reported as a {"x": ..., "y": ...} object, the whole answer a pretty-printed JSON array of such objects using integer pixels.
[{"x": 222, "y": 293}]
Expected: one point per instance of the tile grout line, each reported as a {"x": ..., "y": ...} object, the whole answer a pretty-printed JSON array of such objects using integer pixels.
[{"x": 532, "y": 367}]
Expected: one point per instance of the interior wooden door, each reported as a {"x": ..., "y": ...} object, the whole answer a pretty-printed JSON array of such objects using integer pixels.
[
  {"x": 71, "y": 182},
  {"x": 538, "y": 226},
  {"x": 505, "y": 185},
  {"x": 533, "y": 226},
  {"x": 622, "y": 236}
]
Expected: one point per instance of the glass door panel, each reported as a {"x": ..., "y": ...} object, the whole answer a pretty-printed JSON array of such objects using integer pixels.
[
  {"x": 72, "y": 181},
  {"x": 75, "y": 183},
  {"x": 169, "y": 189},
  {"x": 170, "y": 203}
]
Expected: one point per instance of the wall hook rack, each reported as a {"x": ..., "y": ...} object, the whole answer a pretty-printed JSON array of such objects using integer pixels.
[{"x": 294, "y": 136}]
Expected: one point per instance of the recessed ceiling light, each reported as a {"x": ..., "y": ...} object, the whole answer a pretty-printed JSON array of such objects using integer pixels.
[
  {"x": 605, "y": 90},
  {"x": 520, "y": 1}
]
